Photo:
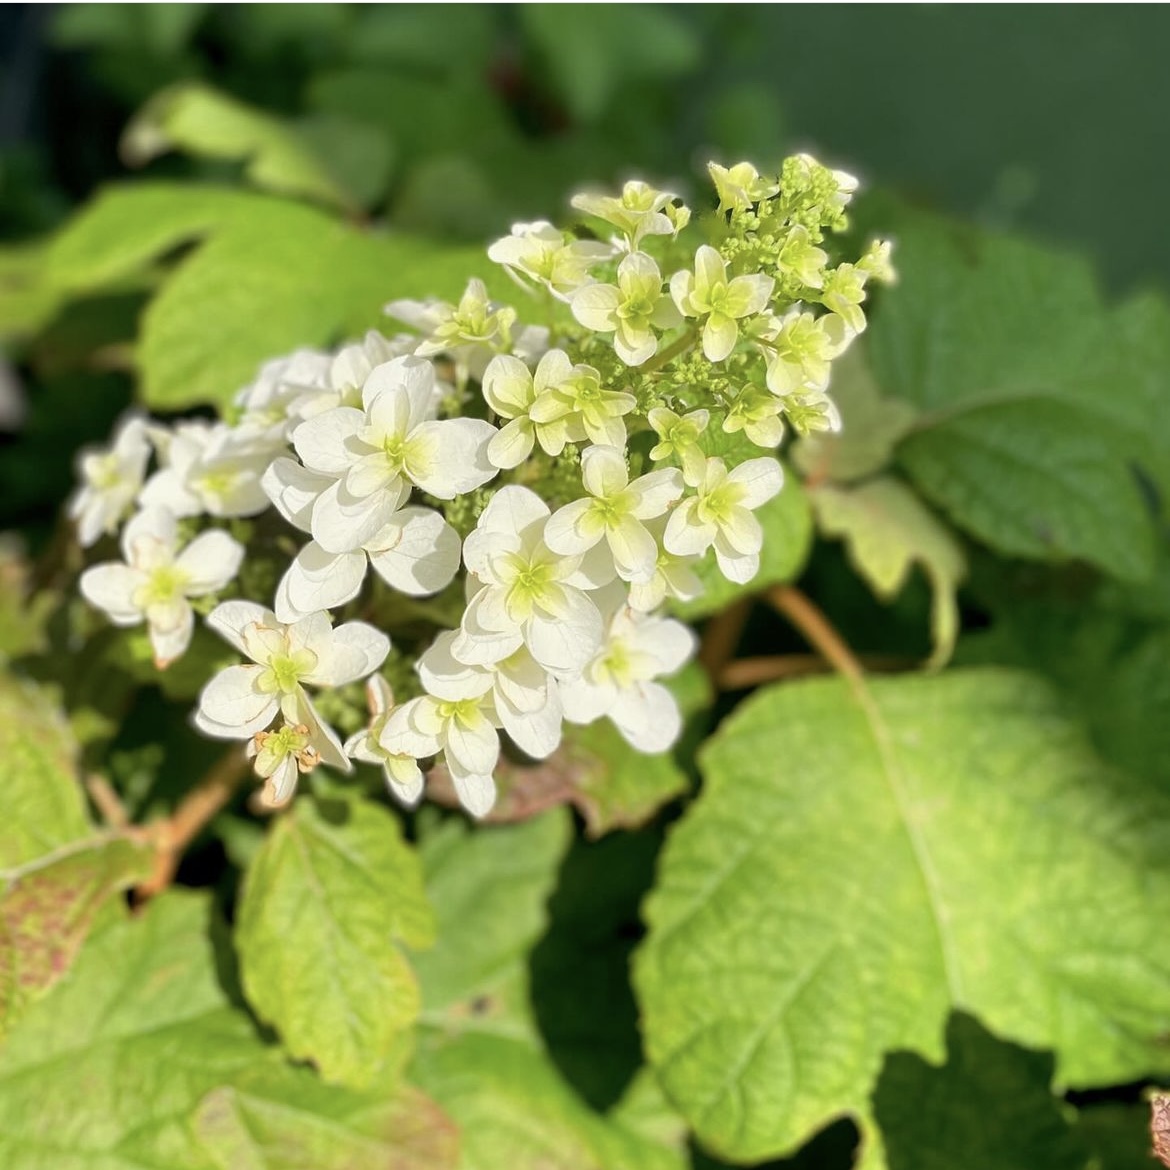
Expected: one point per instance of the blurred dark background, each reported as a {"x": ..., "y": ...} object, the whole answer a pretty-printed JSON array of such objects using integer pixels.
[
  {"x": 459, "y": 119},
  {"x": 1047, "y": 118}
]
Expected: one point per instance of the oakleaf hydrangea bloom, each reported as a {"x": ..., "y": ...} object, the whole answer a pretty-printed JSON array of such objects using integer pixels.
[
  {"x": 530, "y": 493},
  {"x": 631, "y": 310},
  {"x": 719, "y": 515},
  {"x": 542, "y": 253},
  {"x": 403, "y": 776},
  {"x": 242, "y": 701},
  {"x": 708, "y": 294},
  {"x": 110, "y": 480},
  {"x": 157, "y": 580},
  {"x": 614, "y": 511}
]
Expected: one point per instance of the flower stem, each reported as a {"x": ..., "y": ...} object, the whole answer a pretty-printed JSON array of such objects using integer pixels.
[
  {"x": 817, "y": 630},
  {"x": 172, "y": 836},
  {"x": 665, "y": 356}
]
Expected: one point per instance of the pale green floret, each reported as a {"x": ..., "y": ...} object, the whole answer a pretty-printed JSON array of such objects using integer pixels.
[
  {"x": 757, "y": 414},
  {"x": 465, "y": 712},
  {"x": 679, "y": 437},
  {"x": 284, "y": 672},
  {"x": 802, "y": 348},
  {"x": 844, "y": 292},
  {"x": 164, "y": 585},
  {"x": 103, "y": 471},
  {"x": 274, "y": 747},
  {"x": 800, "y": 258}
]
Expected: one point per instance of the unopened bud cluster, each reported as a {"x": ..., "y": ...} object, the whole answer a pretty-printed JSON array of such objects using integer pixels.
[{"x": 575, "y": 471}]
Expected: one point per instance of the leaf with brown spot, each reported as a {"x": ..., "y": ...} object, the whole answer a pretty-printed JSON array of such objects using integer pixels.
[{"x": 48, "y": 907}]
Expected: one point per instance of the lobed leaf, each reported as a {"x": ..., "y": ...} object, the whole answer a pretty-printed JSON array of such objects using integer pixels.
[{"x": 862, "y": 861}]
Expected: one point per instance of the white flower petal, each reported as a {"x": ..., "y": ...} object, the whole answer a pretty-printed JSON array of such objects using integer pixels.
[
  {"x": 412, "y": 729},
  {"x": 512, "y": 444},
  {"x": 656, "y": 491},
  {"x": 761, "y": 479},
  {"x": 111, "y": 588},
  {"x": 575, "y": 528},
  {"x": 512, "y": 510},
  {"x": 211, "y": 560},
  {"x": 231, "y": 618},
  {"x": 736, "y": 566},
  {"x": 635, "y": 551},
  {"x": 685, "y": 534},
  {"x": 595, "y": 307},
  {"x": 647, "y": 717},
  {"x": 171, "y": 640},
  {"x": 357, "y": 650},
  {"x": 460, "y": 462},
  {"x": 720, "y": 334},
  {"x": 404, "y": 778},
  {"x": 477, "y": 793},
  {"x": 342, "y": 522},
  {"x": 565, "y": 642},
  {"x": 603, "y": 471},
  {"x": 536, "y": 732},
  {"x": 321, "y": 735},
  {"x": 154, "y": 529},
  {"x": 584, "y": 701},
  {"x": 473, "y": 746},
  {"x": 319, "y": 580},
  {"x": 231, "y": 700},
  {"x": 293, "y": 490},
  {"x": 327, "y": 442},
  {"x": 445, "y": 677},
  {"x": 417, "y": 553},
  {"x": 507, "y": 385}
]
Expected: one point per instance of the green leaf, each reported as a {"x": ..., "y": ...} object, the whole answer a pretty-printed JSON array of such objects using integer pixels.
[
  {"x": 886, "y": 529},
  {"x": 592, "y": 51},
  {"x": 287, "y": 1120},
  {"x": 516, "y": 1113},
  {"x": 489, "y": 890},
  {"x": 279, "y": 157},
  {"x": 988, "y": 1108},
  {"x": 48, "y": 907},
  {"x": 269, "y": 277},
  {"x": 27, "y": 303},
  {"x": 138, "y": 1062},
  {"x": 860, "y": 862},
  {"x": 788, "y": 533},
  {"x": 1023, "y": 381},
  {"x": 1118, "y": 1136},
  {"x": 103, "y": 1072},
  {"x": 324, "y": 903},
  {"x": 41, "y": 805}
]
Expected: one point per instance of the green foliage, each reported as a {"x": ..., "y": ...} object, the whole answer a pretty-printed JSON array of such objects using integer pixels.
[
  {"x": 860, "y": 862},
  {"x": 1032, "y": 407},
  {"x": 270, "y": 276},
  {"x": 289, "y": 159},
  {"x": 325, "y": 901},
  {"x": 987, "y": 1108}
]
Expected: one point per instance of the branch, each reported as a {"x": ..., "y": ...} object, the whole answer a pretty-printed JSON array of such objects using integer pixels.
[
  {"x": 721, "y": 636},
  {"x": 752, "y": 672},
  {"x": 665, "y": 356},
  {"x": 172, "y": 836},
  {"x": 816, "y": 629}
]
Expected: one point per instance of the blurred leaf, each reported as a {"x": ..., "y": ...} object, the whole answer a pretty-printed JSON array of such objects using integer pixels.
[
  {"x": 324, "y": 903},
  {"x": 988, "y": 1108},
  {"x": 590, "y": 51},
  {"x": 27, "y": 303},
  {"x": 1118, "y": 1136},
  {"x": 788, "y": 537},
  {"x": 41, "y": 804},
  {"x": 862, "y": 861},
  {"x": 154, "y": 29},
  {"x": 1028, "y": 403},
  {"x": 288, "y": 1120},
  {"x": 137, "y": 1060},
  {"x": 455, "y": 39},
  {"x": 278, "y": 156},
  {"x": 272, "y": 276},
  {"x": 515, "y": 1113},
  {"x": 489, "y": 889},
  {"x": 47, "y": 908},
  {"x": 23, "y": 618},
  {"x": 886, "y": 529}
]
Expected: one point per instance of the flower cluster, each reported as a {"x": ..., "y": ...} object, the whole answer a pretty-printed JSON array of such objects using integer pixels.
[{"x": 528, "y": 496}]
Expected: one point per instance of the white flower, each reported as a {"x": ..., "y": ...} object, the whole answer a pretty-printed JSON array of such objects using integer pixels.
[
  {"x": 404, "y": 777},
  {"x": 801, "y": 349},
  {"x": 292, "y": 749},
  {"x": 544, "y": 253},
  {"x": 720, "y": 515},
  {"x": 757, "y": 414},
  {"x": 708, "y": 293},
  {"x": 374, "y": 455},
  {"x": 679, "y": 436},
  {"x": 242, "y": 700},
  {"x": 266, "y": 405},
  {"x": 110, "y": 480},
  {"x": 469, "y": 331},
  {"x": 631, "y": 310},
  {"x": 639, "y": 211},
  {"x": 524, "y": 593},
  {"x": 210, "y": 469},
  {"x": 156, "y": 581},
  {"x": 574, "y": 406},
  {"x": 614, "y": 511},
  {"x": 525, "y": 700},
  {"x": 844, "y": 292},
  {"x": 461, "y": 729},
  {"x": 673, "y": 576},
  {"x": 740, "y": 186},
  {"x": 618, "y": 680},
  {"x": 561, "y": 403},
  {"x": 417, "y": 552}
]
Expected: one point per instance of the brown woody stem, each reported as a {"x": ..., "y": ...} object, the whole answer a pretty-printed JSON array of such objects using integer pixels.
[
  {"x": 172, "y": 836},
  {"x": 817, "y": 630}
]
